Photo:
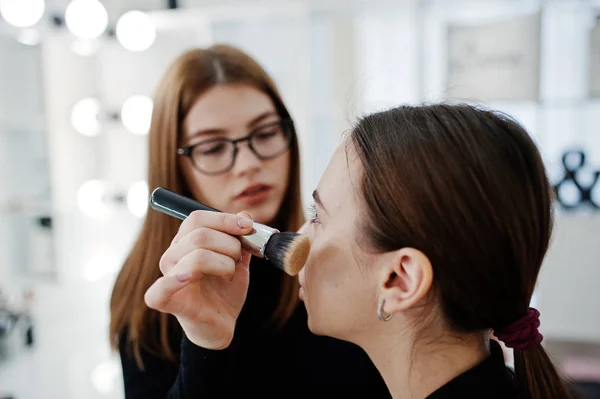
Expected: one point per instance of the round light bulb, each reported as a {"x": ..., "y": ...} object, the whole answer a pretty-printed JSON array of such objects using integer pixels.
[
  {"x": 90, "y": 199},
  {"x": 135, "y": 31},
  {"x": 137, "y": 199},
  {"x": 86, "y": 19},
  {"x": 136, "y": 114},
  {"x": 84, "y": 116},
  {"x": 105, "y": 377},
  {"x": 22, "y": 13}
]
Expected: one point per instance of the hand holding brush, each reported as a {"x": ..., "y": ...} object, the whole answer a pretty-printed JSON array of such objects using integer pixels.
[{"x": 205, "y": 269}]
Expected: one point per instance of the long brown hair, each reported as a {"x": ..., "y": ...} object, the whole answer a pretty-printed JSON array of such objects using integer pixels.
[
  {"x": 190, "y": 75},
  {"x": 468, "y": 188}
]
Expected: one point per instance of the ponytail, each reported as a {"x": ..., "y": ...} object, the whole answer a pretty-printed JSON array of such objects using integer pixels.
[{"x": 536, "y": 376}]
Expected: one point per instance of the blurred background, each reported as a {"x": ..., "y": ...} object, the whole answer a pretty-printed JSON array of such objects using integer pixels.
[{"x": 76, "y": 81}]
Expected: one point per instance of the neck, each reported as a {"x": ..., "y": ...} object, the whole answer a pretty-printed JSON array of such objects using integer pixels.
[{"x": 415, "y": 370}]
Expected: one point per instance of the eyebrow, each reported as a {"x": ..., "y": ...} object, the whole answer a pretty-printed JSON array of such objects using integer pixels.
[
  {"x": 249, "y": 125},
  {"x": 318, "y": 201}
]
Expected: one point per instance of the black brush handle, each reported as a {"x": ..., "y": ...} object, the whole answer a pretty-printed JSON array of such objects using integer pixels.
[
  {"x": 180, "y": 207},
  {"x": 176, "y": 205}
]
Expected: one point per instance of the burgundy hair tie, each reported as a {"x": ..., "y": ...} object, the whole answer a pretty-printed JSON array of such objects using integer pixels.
[{"x": 523, "y": 333}]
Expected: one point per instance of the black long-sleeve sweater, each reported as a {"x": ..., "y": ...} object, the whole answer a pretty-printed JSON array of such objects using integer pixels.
[{"x": 261, "y": 362}]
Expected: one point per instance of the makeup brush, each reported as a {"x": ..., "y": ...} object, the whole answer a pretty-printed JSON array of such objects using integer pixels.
[{"x": 285, "y": 250}]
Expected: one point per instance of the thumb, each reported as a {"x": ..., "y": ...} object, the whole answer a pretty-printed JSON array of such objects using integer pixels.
[
  {"x": 244, "y": 260},
  {"x": 159, "y": 294},
  {"x": 245, "y": 215},
  {"x": 242, "y": 266}
]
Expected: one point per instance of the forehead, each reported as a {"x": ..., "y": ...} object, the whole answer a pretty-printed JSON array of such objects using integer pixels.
[
  {"x": 226, "y": 105},
  {"x": 339, "y": 184}
]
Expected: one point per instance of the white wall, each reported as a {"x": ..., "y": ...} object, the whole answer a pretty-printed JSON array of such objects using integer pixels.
[
  {"x": 567, "y": 292},
  {"x": 24, "y": 184}
]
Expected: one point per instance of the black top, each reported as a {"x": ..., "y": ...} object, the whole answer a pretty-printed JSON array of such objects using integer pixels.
[
  {"x": 260, "y": 362},
  {"x": 491, "y": 379}
]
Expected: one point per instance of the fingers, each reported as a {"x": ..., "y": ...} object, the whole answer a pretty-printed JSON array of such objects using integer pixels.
[
  {"x": 191, "y": 267},
  {"x": 209, "y": 230},
  {"x": 245, "y": 215},
  {"x": 201, "y": 262},
  {"x": 227, "y": 223},
  {"x": 200, "y": 238},
  {"x": 160, "y": 293},
  {"x": 244, "y": 261},
  {"x": 206, "y": 244}
]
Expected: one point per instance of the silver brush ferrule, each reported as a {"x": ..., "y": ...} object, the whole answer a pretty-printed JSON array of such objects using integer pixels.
[{"x": 256, "y": 242}]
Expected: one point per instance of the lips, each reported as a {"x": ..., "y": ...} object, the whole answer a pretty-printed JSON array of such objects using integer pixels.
[
  {"x": 254, "y": 189},
  {"x": 301, "y": 288}
]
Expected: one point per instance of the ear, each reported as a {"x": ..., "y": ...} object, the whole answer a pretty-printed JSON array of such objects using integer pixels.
[{"x": 406, "y": 279}]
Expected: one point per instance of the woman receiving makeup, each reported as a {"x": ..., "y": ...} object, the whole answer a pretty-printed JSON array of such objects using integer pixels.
[{"x": 431, "y": 225}]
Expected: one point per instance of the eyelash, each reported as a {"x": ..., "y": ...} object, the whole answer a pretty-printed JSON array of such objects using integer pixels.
[{"x": 314, "y": 218}]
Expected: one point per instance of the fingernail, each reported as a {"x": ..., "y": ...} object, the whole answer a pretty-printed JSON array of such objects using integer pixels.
[
  {"x": 184, "y": 277},
  {"x": 245, "y": 223}
]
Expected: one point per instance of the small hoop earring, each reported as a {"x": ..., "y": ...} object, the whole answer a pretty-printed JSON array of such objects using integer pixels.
[{"x": 380, "y": 313}]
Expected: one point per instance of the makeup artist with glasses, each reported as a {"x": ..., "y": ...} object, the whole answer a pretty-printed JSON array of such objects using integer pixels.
[{"x": 221, "y": 134}]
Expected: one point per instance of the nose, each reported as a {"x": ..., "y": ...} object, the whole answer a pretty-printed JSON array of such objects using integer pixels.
[
  {"x": 304, "y": 228},
  {"x": 246, "y": 160}
]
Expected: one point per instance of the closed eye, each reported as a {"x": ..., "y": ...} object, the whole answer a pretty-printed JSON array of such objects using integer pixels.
[
  {"x": 314, "y": 217},
  {"x": 214, "y": 149},
  {"x": 266, "y": 135}
]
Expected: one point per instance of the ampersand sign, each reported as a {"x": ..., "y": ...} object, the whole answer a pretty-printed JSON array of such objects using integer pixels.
[{"x": 573, "y": 162}]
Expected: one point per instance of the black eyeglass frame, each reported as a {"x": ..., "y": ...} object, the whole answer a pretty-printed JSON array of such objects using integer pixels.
[{"x": 287, "y": 125}]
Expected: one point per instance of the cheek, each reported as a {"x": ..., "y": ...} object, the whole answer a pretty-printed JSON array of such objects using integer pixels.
[
  {"x": 333, "y": 283},
  {"x": 326, "y": 272},
  {"x": 279, "y": 168},
  {"x": 197, "y": 182}
]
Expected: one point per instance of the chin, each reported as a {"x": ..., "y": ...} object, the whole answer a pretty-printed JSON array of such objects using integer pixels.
[
  {"x": 264, "y": 213},
  {"x": 317, "y": 328},
  {"x": 262, "y": 216},
  {"x": 321, "y": 330},
  {"x": 313, "y": 329}
]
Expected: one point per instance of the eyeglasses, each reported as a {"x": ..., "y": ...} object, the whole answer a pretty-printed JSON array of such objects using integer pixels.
[{"x": 216, "y": 156}]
